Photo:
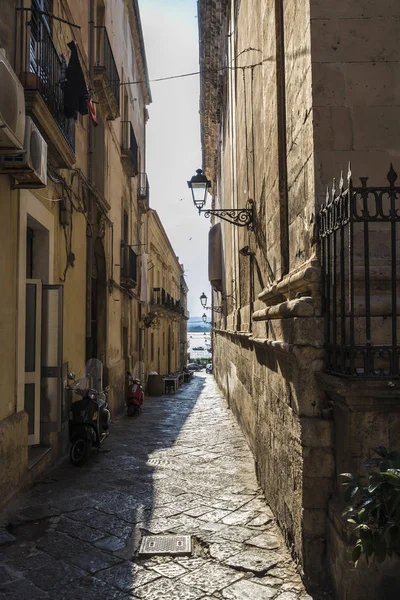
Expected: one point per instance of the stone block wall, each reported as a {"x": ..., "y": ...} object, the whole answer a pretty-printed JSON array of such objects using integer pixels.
[
  {"x": 355, "y": 88},
  {"x": 293, "y": 452},
  {"x": 326, "y": 92}
]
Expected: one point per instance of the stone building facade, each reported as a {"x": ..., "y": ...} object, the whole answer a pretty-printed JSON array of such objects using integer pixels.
[
  {"x": 73, "y": 201},
  {"x": 165, "y": 330},
  {"x": 291, "y": 92}
]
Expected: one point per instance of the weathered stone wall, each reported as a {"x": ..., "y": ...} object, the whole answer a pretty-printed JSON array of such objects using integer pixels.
[
  {"x": 356, "y": 92},
  {"x": 293, "y": 452},
  {"x": 313, "y": 85}
]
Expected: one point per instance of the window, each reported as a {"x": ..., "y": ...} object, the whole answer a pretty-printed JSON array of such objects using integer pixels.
[{"x": 152, "y": 347}]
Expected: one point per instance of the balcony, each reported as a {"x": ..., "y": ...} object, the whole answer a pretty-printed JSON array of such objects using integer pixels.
[
  {"x": 128, "y": 267},
  {"x": 40, "y": 75},
  {"x": 144, "y": 192},
  {"x": 129, "y": 149},
  {"x": 106, "y": 78},
  {"x": 161, "y": 299}
]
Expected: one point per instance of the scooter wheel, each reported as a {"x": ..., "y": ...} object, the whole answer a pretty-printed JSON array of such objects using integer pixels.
[
  {"x": 132, "y": 410},
  {"x": 80, "y": 451}
]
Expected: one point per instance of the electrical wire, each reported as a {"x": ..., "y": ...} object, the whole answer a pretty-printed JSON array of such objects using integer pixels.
[{"x": 227, "y": 68}]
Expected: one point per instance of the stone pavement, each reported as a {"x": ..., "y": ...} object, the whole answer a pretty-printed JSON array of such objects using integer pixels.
[{"x": 182, "y": 466}]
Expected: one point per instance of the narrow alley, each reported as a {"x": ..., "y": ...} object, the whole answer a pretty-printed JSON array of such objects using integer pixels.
[{"x": 181, "y": 467}]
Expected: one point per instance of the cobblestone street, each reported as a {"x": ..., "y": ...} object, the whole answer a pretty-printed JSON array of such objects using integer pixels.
[{"x": 183, "y": 467}]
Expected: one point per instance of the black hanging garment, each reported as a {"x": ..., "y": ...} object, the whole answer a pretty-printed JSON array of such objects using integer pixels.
[{"x": 75, "y": 89}]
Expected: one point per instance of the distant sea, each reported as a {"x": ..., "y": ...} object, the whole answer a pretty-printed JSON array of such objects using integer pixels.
[
  {"x": 199, "y": 340},
  {"x": 196, "y": 324}
]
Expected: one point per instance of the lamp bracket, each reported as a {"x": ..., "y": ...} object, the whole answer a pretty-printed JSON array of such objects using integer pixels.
[
  {"x": 217, "y": 309},
  {"x": 242, "y": 217}
]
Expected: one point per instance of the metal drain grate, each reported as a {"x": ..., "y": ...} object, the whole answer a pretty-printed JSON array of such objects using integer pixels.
[{"x": 177, "y": 545}]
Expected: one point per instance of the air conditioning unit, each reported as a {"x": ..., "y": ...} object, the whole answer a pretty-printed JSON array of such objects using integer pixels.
[
  {"x": 12, "y": 108},
  {"x": 29, "y": 168}
]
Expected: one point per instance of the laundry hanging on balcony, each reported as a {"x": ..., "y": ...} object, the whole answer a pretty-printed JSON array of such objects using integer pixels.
[{"x": 74, "y": 86}]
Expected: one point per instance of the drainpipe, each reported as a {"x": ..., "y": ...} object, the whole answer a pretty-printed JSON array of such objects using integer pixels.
[
  {"x": 91, "y": 83},
  {"x": 90, "y": 142}
]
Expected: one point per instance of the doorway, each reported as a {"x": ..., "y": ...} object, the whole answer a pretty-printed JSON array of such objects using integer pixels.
[
  {"x": 41, "y": 312},
  {"x": 96, "y": 343}
]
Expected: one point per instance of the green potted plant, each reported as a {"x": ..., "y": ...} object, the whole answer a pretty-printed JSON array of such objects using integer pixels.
[{"x": 374, "y": 506}]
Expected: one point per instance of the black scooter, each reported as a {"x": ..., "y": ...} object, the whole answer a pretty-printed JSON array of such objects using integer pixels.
[{"x": 90, "y": 418}]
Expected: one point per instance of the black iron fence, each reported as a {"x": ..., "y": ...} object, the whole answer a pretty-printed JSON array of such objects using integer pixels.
[
  {"x": 359, "y": 234},
  {"x": 44, "y": 68},
  {"x": 128, "y": 267},
  {"x": 105, "y": 59}
]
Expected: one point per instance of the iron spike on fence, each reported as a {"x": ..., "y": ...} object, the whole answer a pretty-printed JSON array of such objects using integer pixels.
[
  {"x": 349, "y": 174},
  {"x": 341, "y": 183},
  {"x": 333, "y": 188},
  {"x": 391, "y": 176}
]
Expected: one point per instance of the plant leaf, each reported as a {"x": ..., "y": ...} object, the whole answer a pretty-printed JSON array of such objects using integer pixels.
[
  {"x": 349, "y": 492},
  {"x": 381, "y": 451},
  {"x": 372, "y": 462},
  {"x": 374, "y": 486},
  {"x": 391, "y": 478},
  {"x": 356, "y": 553}
]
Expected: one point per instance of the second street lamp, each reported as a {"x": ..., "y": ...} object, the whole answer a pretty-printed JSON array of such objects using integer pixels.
[{"x": 203, "y": 300}]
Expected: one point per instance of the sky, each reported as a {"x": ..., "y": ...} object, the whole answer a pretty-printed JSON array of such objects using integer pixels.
[{"x": 173, "y": 134}]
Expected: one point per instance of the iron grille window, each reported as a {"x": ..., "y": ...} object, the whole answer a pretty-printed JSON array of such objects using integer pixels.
[
  {"x": 129, "y": 144},
  {"x": 359, "y": 234},
  {"x": 106, "y": 60},
  {"x": 128, "y": 267},
  {"x": 45, "y": 63}
]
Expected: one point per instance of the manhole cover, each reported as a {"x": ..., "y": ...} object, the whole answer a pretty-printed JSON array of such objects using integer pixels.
[{"x": 178, "y": 545}]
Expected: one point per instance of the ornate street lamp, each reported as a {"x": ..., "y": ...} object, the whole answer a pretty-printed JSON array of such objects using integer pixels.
[
  {"x": 199, "y": 185},
  {"x": 242, "y": 217},
  {"x": 203, "y": 300}
]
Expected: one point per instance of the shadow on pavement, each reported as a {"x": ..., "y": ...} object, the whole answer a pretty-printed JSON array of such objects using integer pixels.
[{"x": 86, "y": 519}]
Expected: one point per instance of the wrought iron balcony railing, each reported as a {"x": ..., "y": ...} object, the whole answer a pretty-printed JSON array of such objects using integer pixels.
[
  {"x": 129, "y": 150},
  {"x": 107, "y": 80},
  {"x": 359, "y": 231},
  {"x": 128, "y": 267},
  {"x": 40, "y": 71},
  {"x": 163, "y": 299}
]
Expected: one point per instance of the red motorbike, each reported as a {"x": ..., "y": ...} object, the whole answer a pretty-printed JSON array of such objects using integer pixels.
[{"x": 135, "y": 396}]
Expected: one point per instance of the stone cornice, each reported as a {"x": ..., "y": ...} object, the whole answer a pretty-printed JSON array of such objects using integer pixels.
[
  {"x": 212, "y": 25},
  {"x": 137, "y": 36}
]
